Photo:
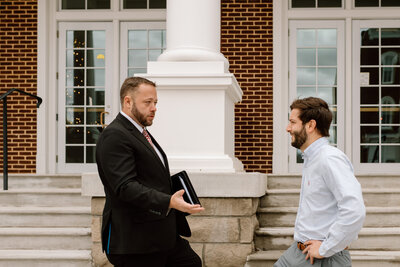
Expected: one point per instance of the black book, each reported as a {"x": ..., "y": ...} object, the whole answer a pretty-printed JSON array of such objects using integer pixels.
[{"x": 180, "y": 181}]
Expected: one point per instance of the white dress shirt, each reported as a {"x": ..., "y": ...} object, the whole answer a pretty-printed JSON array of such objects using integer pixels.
[
  {"x": 140, "y": 128},
  {"x": 331, "y": 207}
]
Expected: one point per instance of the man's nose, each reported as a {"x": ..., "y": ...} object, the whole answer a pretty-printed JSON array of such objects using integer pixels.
[{"x": 288, "y": 128}]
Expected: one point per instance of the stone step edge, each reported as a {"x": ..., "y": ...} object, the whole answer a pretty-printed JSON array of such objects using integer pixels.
[
  {"x": 45, "y": 231},
  {"x": 44, "y": 210},
  {"x": 364, "y": 175},
  {"x": 25, "y": 254},
  {"x": 355, "y": 255},
  {"x": 364, "y": 190},
  {"x": 289, "y": 231},
  {"x": 294, "y": 209},
  {"x": 35, "y": 175},
  {"x": 42, "y": 191}
]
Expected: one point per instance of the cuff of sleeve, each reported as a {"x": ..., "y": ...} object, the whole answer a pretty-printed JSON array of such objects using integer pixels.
[{"x": 325, "y": 252}]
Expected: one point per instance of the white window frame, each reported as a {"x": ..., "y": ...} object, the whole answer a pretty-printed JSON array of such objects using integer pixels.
[
  {"x": 49, "y": 17},
  {"x": 365, "y": 168},
  {"x": 125, "y": 27},
  {"x": 295, "y": 167}
]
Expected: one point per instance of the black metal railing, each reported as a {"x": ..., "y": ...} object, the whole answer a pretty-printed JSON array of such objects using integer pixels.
[{"x": 5, "y": 151}]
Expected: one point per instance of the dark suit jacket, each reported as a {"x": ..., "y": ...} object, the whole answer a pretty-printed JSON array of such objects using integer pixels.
[{"x": 138, "y": 189}]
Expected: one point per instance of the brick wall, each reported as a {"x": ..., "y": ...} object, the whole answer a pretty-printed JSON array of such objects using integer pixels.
[
  {"x": 246, "y": 40},
  {"x": 18, "y": 69}
]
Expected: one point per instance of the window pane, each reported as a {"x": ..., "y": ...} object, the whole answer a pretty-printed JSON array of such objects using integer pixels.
[
  {"x": 93, "y": 115},
  {"x": 96, "y": 39},
  {"x": 390, "y": 56},
  {"x": 370, "y": 134},
  {"x": 369, "y": 154},
  {"x": 391, "y": 154},
  {"x": 95, "y": 77},
  {"x": 327, "y": 57},
  {"x": 74, "y": 135},
  {"x": 369, "y": 95},
  {"x": 369, "y": 37},
  {"x": 332, "y": 135},
  {"x": 74, "y": 116},
  {"x": 390, "y": 3},
  {"x": 390, "y": 115},
  {"x": 369, "y": 115},
  {"x": 365, "y": 3},
  {"x": 153, "y": 54},
  {"x": 329, "y": 3},
  {"x": 390, "y": 134},
  {"x": 392, "y": 93},
  {"x": 328, "y": 94},
  {"x": 371, "y": 74},
  {"x": 75, "y": 39},
  {"x": 303, "y": 92},
  {"x": 390, "y": 36},
  {"x": 135, "y": 4},
  {"x": 75, "y": 77},
  {"x": 95, "y": 58},
  {"x": 74, "y": 154},
  {"x": 137, "y": 58},
  {"x": 132, "y": 72},
  {"x": 73, "y": 4},
  {"x": 156, "y": 39},
  {"x": 326, "y": 37},
  {"x": 74, "y": 96},
  {"x": 305, "y": 37},
  {"x": 137, "y": 39},
  {"x": 95, "y": 96},
  {"x": 98, "y": 4},
  {"x": 92, "y": 134},
  {"x": 306, "y": 76},
  {"x": 90, "y": 154},
  {"x": 327, "y": 76},
  {"x": 369, "y": 56},
  {"x": 306, "y": 57},
  {"x": 158, "y": 4},
  {"x": 303, "y": 3},
  {"x": 75, "y": 58},
  {"x": 390, "y": 75}
]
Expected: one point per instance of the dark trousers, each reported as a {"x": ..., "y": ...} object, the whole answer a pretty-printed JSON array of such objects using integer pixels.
[{"x": 182, "y": 255}]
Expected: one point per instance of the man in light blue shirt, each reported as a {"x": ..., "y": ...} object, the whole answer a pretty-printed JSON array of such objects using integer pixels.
[{"x": 331, "y": 209}]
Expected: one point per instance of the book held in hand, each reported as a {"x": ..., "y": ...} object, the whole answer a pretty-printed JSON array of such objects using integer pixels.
[{"x": 180, "y": 181}]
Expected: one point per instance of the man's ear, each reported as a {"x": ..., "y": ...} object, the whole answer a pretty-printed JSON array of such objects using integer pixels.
[{"x": 311, "y": 126}]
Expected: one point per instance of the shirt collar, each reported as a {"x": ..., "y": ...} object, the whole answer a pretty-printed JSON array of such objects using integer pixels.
[
  {"x": 140, "y": 128},
  {"x": 314, "y": 147}
]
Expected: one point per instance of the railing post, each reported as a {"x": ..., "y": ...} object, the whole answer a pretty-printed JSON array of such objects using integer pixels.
[{"x": 5, "y": 154}]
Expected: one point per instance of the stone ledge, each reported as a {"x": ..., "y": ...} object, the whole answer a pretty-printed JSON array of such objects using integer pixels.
[{"x": 239, "y": 184}]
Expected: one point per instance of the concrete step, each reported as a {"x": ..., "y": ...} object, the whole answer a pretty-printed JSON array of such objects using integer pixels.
[
  {"x": 280, "y": 238},
  {"x": 45, "y": 216},
  {"x": 45, "y": 238},
  {"x": 293, "y": 181},
  {"x": 363, "y": 258},
  {"x": 45, "y": 258},
  {"x": 48, "y": 197},
  {"x": 16, "y": 181},
  {"x": 286, "y": 216},
  {"x": 374, "y": 197}
]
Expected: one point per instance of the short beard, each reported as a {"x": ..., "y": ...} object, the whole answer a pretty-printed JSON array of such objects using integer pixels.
[
  {"x": 299, "y": 138},
  {"x": 140, "y": 117}
]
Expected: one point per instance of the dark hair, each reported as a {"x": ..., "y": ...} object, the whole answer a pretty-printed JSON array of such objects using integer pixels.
[
  {"x": 131, "y": 84},
  {"x": 313, "y": 108}
]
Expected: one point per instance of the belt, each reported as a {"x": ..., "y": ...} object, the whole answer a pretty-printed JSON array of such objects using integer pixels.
[{"x": 301, "y": 246}]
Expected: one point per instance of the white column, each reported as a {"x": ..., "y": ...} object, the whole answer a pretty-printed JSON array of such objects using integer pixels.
[
  {"x": 196, "y": 93},
  {"x": 193, "y": 31}
]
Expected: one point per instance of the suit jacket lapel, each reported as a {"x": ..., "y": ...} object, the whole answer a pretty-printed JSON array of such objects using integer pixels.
[{"x": 138, "y": 135}]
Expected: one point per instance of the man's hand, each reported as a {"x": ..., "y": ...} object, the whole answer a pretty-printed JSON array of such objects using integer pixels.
[
  {"x": 312, "y": 250},
  {"x": 178, "y": 203}
]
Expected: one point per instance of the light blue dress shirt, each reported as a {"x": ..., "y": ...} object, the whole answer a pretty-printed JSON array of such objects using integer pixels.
[{"x": 331, "y": 207}]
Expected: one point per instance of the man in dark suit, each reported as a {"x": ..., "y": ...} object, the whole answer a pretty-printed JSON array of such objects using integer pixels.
[{"x": 143, "y": 219}]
